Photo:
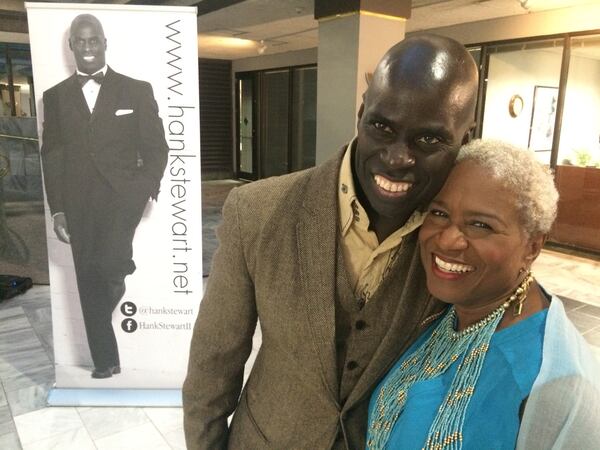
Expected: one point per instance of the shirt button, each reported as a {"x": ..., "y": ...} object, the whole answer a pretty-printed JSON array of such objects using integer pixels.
[
  {"x": 360, "y": 302},
  {"x": 352, "y": 365},
  {"x": 344, "y": 189},
  {"x": 360, "y": 324}
]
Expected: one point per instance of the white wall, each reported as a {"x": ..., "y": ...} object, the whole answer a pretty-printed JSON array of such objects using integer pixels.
[
  {"x": 513, "y": 73},
  {"x": 566, "y": 20},
  {"x": 288, "y": 59},
  {"x": 518, "y": 73},
  {"x": 581, "y": 117}
]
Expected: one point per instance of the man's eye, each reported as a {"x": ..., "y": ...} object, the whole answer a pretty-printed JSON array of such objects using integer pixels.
[
  {"x": 382, "y": 127},
  {"x": 429, "y": 140}
]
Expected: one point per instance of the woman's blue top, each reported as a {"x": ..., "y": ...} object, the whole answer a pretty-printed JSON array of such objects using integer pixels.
[{"x": 492, "y": 420}]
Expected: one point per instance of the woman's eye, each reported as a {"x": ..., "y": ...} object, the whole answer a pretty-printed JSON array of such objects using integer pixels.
[
  {"x": 481, "y": 225},
  {"x": 437, "y": 213},
  {"x": 429, "y": 140}
]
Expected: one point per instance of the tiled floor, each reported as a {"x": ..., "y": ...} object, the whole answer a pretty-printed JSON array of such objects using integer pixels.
[{"x": 26, "y": 370}]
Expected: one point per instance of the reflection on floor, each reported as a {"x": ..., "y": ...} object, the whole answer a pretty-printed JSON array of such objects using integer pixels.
[{"x": 26, "y": 371}]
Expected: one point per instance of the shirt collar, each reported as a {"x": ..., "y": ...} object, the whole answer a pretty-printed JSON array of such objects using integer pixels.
[{"x": 347, "y": 198}]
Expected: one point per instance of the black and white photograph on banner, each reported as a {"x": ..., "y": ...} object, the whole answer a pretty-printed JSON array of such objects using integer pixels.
[{"x": 119, "y": 145}]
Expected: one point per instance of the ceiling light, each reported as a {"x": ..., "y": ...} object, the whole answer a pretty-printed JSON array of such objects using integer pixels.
[
  {"x": 224, "y": 41},
  {"x": 261, "y": 47}
]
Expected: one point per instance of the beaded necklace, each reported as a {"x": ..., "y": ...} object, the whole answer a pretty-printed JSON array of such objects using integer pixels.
[{"x": 444, "y": 347}]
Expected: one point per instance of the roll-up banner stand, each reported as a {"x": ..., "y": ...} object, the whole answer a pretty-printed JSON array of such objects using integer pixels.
[{"x": 117, "y": 100}]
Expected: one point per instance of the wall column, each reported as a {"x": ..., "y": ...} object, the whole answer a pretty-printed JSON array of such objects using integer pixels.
[{"x": 350, "y": 45}]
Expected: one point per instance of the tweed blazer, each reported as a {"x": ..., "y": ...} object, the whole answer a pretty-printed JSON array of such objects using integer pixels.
[{"x": 276, "y": 262}]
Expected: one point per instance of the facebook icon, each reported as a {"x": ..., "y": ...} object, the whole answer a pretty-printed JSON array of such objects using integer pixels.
[{"x": 129, "y": 325}]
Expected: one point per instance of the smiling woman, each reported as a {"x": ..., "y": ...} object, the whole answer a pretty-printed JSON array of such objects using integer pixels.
[{"x": 504, "y": 353}]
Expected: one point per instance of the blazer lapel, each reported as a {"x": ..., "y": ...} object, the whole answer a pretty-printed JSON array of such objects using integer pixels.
[
  {"x": 107, "y": 97},
  {"x": 316, "y": 234},
  {"x": 77, "y": 98}
]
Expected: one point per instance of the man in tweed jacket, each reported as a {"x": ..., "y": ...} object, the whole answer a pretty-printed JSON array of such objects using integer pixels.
[{"x": 326, "y": 261}]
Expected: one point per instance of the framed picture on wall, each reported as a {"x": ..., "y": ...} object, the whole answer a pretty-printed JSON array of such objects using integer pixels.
[{"x": 541, "y": 131}]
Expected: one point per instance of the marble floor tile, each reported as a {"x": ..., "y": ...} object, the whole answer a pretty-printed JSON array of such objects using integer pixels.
[
  {"x": 3, "y": 400},
  {"x": 593, "y": 337},
  {"x": 35, "y": 296},
  {"x": 102, "y": 422},
  {"x": 13, "y": 319},
  {"x": 34, "y": 377},
  {"x": 38, "y": 314},
  {"x": 144, "y": 437},
  {"x": 15, "y": 310},
  {"x": 573, "y": 276},
  {"x": 46, "y": 423},
  {"x": 583, "y": 322},
  {"x": 7, "y": 425},
  {"x": 18, "y": 341},
  {"x": 76, "y": 439},
  {"x": 10, "y": 442},
  {"x": 570, "y": 304},
  {"x": 28, "y": 399},
  {"x": 596, "y": 352},
  {"x": 176, "y": 439},
  {"x": 165, "y": 419},
  {"x": 22, "y": 362},
  {"x": 590, "y": 310}
]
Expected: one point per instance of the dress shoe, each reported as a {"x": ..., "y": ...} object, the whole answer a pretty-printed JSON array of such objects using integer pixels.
[{"x": 106, "y": 373}]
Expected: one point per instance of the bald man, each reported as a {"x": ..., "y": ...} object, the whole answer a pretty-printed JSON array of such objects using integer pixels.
[
  {"x": 326, "y": 259},
  {"x": 104, "y": 154}
]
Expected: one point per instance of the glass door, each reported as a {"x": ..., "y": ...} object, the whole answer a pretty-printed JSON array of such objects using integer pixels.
[
  {"x": 304, "y": 117},
  {"x": 246, "y": 130},
  {"x": 275, "y": 139},
  {"x": 578, "y": 159},
  {"x": 522, "y": 93}
]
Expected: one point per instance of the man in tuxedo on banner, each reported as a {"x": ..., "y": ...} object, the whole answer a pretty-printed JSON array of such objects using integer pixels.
[{"x": 104, "y": 154}]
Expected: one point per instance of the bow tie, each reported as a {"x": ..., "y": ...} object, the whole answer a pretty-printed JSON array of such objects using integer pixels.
[{"x": 98, "y": 78}]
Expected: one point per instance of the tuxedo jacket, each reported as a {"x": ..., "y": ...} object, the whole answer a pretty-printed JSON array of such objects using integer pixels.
[
  {"x": 122, "y": 140},
  {"x": 276, "y": 261}
]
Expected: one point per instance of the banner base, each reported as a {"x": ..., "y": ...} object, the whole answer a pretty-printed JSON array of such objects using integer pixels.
[{"x": 115, "y": 397}]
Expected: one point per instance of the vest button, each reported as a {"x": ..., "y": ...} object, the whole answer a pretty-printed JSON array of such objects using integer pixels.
[
  {"x": 352, "y": 365},
  {"x": 360, "y": 324}
]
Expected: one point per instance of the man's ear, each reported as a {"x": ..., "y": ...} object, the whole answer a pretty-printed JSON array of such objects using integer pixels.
[
  {"x": 534, "y": 247},
  {"x": 361, "y": 110},
  {"x": 105, "y": 44},
  {"x": 469, "y": 134},
  {"x": 70, "y": 46}
]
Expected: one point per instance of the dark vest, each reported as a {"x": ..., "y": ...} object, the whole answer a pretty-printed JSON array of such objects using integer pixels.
[{"x": 360, "y": 327}]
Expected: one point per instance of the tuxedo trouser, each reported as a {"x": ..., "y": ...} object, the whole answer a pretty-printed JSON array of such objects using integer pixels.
[{"x": 102, "y": 225}]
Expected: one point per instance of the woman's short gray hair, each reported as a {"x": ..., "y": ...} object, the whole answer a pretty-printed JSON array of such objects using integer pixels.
[{"x": 518, "y": 170}]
